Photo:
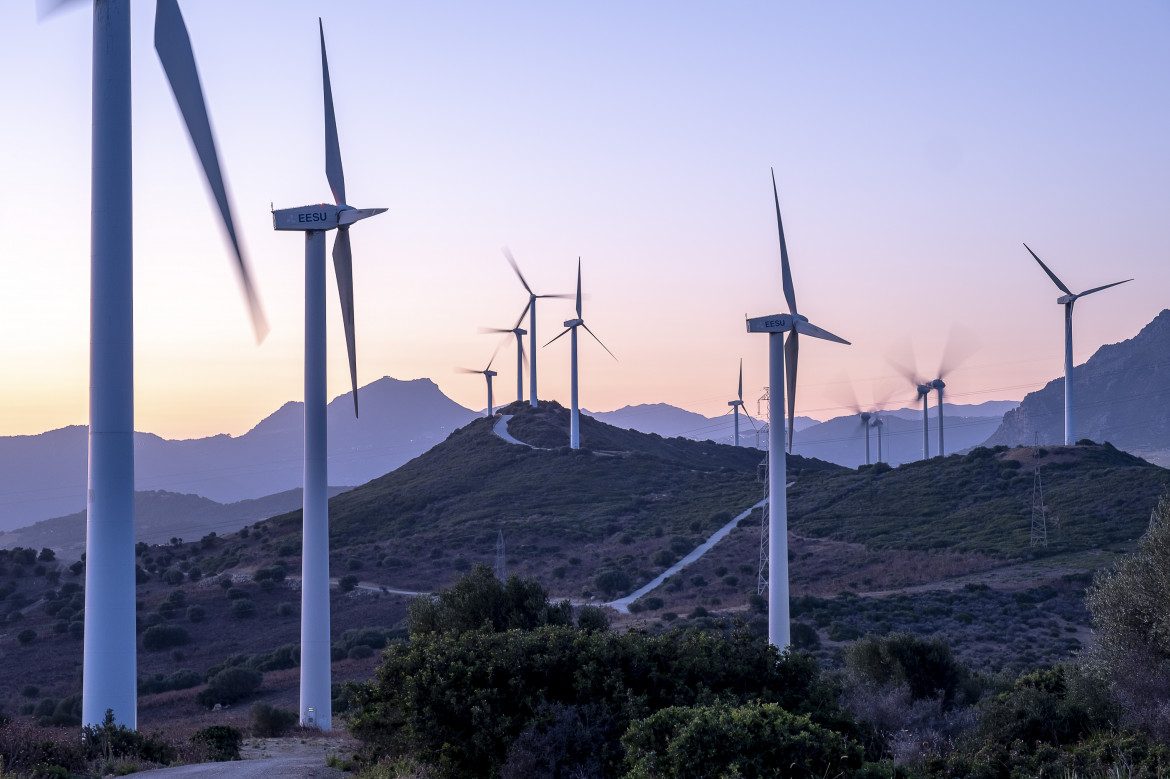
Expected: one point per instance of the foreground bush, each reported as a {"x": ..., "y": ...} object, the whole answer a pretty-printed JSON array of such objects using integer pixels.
[
  {"x": 230, "y": 685},
  {"x": 222, "y": 742},
  {"x": 268, "y": 721},
  {"x": 756, "y": 740},
  {"x": 461, "y": 700}
]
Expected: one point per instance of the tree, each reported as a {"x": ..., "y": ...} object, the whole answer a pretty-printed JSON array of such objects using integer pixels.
[
  {"x": 1130, "y": 608},
  {"x": 480, "y": 600}
]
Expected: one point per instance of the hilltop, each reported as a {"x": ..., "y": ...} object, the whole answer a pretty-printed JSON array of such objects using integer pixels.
[{"x": 1122, "y": 393}]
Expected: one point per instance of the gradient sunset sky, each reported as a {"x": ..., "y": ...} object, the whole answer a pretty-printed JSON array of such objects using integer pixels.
[{"x": 916, "y": 146}]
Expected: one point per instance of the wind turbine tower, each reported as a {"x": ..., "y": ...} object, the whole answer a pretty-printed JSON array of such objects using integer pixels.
[
  {"x": 779, "y": 627},
  {"x": 571, "y": 328},
  {"x": 531, "y": 311},
  {"x": 737, "y": 404},
  {"x": 865, "y": 422},
  {"x": 924, "y": 395},
  {"x": 519, "y": 332},
  {"x": 1067, "y": 300},
  {"x": 488, "y": 373},
  {"x": 109, "y": 654},
  {"x": 939, "y": 385},
  {"x": 315, "y": 221}
]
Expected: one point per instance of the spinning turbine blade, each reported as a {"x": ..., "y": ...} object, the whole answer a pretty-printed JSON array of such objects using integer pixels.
[
  {"x": 46, "y": 8},
  {"x": 741, "y": 382},
  {"x": 512, "y": 261},
  {"x": 1098, "y": 289},
  {"x": 791, "y": 354},
  {"x": 343, "y": 269},
  {"x": 333, "y": 170},
  {"x": 1051, "y": 275},
  {"x": 595, "y": 338},
  {"x": 178, "y": 60},
  {"x": 786, "y": 271}
]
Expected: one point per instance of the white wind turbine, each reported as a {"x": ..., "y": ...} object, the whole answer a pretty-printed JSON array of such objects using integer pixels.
[
  {"x": 314, "y": 221},
  {"x": 519, "y": 332},
  {"x": 487, "y": 373},
  {"x": 779, "y": 628},
  {"x": 109, "y": 663},
  {"x": 1067, "y": 300},
  {"x": 571, "y": 328},
  {"x": 530, "y": 309},
  {"x": 737, "y": 404}
]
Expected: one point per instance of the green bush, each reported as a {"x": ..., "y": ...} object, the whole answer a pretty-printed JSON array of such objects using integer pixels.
[
  {"x": 164, "y": 637},
  {"x": 612, "y": 581},
  {"x": 926, "y": 666},
  {"x": 269, "y": 722},
  {"x": 196, "y": 613},
  {"x": 222, "y": 742},
  {"x": 347, "y": 583},
  {"x": 229, "y": 686},
  {"x": 479, "y": 599},
  {"x": 753, "y": 740},
  {"x": 26, "y": 636},
  {"x": 243, "y": 608}
]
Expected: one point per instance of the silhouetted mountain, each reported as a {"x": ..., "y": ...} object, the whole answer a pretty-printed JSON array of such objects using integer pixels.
[
  {"x": 158, "y": 517},
  {"x": 44, "y": 476},
  {"x": 1122, "y": 396},
  {"x": 670, "y": 421}
]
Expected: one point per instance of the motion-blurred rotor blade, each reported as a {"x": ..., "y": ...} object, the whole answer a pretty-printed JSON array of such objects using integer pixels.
[
  {"x": 595, "y": 338},
  {"x": 785, "y": 269},
  {"x": 801, "y": 326},
  {"x": 1098, "y": 289},
  {"x": 1051, "y": 275},
  {"x": 523, "y": 354},
  {"x": 741, "y": 380},
  {"x": 173, "y": 45},
  {"x": 46, "y": 8},
  {"x": 495, "y": 352},
  {"x": 567, "y": 329},
  {"x": 961, "y": 344},
  {"x": 490, "y": 330},
  {"x": 579, "y": 289},
  {"x": 791, "y": 354},
  {"x": 512, "y": 261},
  {"x": 333, "y": 170},
  {"x": 466, "y": 370},
  {"x": 524, "y": 313},
  {"x": 343, "y": 269},
  {"x": 900, "y": 357}
]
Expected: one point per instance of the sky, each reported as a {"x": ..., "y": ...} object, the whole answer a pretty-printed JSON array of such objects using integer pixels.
[{"x": 916, "y": 146}]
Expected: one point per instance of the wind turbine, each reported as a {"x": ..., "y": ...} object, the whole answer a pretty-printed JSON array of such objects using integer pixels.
[
  {"x": 530, "y": 309},
  {"x": 488, "y": 373},
  {"x": 779, "y": 629},
  {"x": 737, "y": 404},
  {"x": 878, "y": 423},
  {"x": 109, "y": 661},
  {"x": 1067, "y": 300},
  {"x": 315, "y": 221},
  {"x": 571, "y": 327},
  {"x": 519, "y": 332}
]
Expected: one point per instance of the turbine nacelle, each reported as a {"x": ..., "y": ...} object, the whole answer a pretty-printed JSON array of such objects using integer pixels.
[
  {"x": 938, "y": 384},
  {"x": 574, "y": 322},
  {"x": 324, "y": 216}
]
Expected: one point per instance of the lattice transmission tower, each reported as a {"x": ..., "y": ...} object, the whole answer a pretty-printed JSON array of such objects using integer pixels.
[
  {"x": 1039, "y": 510},
  {"x": 501, "y": 559}
]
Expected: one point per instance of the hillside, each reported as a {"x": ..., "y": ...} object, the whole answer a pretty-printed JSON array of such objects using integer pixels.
[
  {"x": 938, "y": 548},
  {"x": 1122, "y": 393},
  {"x": 44, "y": 476}
]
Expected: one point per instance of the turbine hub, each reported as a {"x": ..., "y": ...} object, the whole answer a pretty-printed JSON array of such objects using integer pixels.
[{"x": 938, "y": 384}]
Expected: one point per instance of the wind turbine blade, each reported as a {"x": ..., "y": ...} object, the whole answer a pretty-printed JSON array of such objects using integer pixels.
[
  {"x": 173, "y": 45},
  {"x": 524, "y": 313},
  {"x": 523, "y": 355},
  {"x": 495, "y": 352},
  {"x": 333, "y": 170},
  {"x": 785, "y": 269},
  {"x": 512, "y": 261},
  {"x": 466, "y": 370},
  {"x": 741, "y": 380},
  {"x": 1051, "y": 275},
  {"x": 595, "y": 338},
  {"x": 801, "y": 326},
  {"x": 579, "y": 289},
  {"x": 343, "y": 269},
  {"x": 567, "y": 329},
  {"x": 1098, "y": 289},
  {"x": 46, "y": 8},
  {"x": 490, "y": 330},
  {"x": 749, "y": 416},
  {"x": 791, "y": 354},
  {"x": 961, "y": 344}
]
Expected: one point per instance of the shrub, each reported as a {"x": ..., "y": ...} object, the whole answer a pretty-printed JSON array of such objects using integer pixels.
[
  {"x": 664, "y": 558},
  {"x": 269, "y": 722},
  {"x": 26, "y": 636},
  {"x": 612, "y": 581},
  {"x": 927, "y": 667},
  {"x": 592, "y": 618},
  {"x": 222, "y": 742},
  {"x": 236, "y": 593},
  {"x": 196, "y": 613},
  {"x": 230, "y": 685},
  {"x": 243, "y": 608},
  {"x": 173, "y": 576},
  {"x": 479, "y": 599},
  {"x": 164, "y": 637},
  {"x": 347, "y": 583},
  {"x": 722, "y": 740},
  {"x": 285, "y": 610}
]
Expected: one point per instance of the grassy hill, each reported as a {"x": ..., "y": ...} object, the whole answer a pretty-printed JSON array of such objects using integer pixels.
[{"x": 939, "y": 548}]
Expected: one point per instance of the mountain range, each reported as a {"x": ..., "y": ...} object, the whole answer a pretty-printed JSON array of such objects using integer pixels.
[{"x": 1122, "y": 396}]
